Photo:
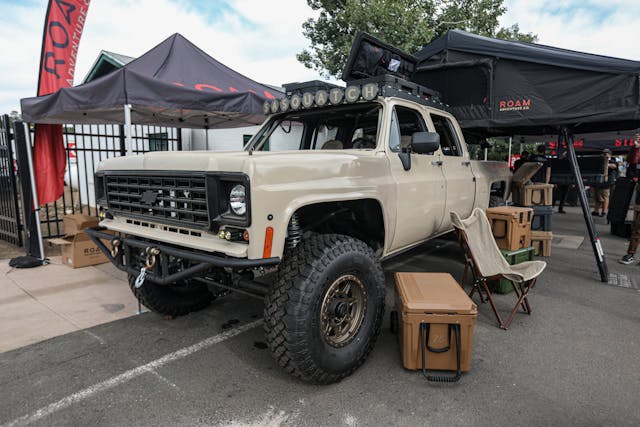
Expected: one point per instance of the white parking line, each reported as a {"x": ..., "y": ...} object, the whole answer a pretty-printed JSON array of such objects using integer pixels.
[{"x": 128, "y": 375}]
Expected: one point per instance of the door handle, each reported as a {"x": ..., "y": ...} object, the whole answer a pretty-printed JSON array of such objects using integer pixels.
[
  {"x": 466, "y": 163},
  {"x": 437, "y": 163}
]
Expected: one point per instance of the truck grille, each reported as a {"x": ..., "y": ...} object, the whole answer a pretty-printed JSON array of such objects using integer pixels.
[{"x": 179, "y": 199}]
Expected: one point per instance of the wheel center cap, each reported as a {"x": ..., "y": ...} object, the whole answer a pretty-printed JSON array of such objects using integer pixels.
[{"x": 341, "y": 309}]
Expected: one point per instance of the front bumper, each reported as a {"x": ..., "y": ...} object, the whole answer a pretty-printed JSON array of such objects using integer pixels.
[{"x": 124, "y": 254}]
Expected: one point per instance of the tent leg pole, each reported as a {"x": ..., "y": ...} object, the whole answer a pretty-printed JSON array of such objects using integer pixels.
[
  {"x": 206, "y": 138},
  {"x": 485, "y": 154},
  {"x": 34, "y": 191},
  {"x": 509, "y": 156},
  {"x": 127, "y": 129},
  {"x": 595, "y": 240}
]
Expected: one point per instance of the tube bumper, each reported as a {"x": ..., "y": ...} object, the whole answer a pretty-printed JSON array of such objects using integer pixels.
[{"x": 123, "y": 250}]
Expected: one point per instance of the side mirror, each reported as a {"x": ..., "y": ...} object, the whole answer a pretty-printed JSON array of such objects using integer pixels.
[{"x": 425, "y": 142}]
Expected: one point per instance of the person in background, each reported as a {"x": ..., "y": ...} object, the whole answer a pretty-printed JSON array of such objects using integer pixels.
[
  {"x": 603, "y": 190},
  {"x": 633, "y": 171},
  {"x": 633, "y": 158},
  {"x": 635, "y": 235},
  {"x": 563, "y": 191},
  {"x": 544, "y": 174},
  {"x": 524, "y": 157}
]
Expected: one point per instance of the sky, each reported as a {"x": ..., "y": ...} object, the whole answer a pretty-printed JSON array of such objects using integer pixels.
[{"x": 261, "y": 38}]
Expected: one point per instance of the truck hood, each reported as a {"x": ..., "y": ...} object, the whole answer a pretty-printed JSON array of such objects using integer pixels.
[{"x": 290, "y": 165}]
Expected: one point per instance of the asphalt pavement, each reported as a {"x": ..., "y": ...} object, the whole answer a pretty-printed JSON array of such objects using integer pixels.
[{"x": 574, "y": 361}]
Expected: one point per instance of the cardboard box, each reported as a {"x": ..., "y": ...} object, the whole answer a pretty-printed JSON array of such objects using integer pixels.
[
  {"x": 75, "y": 223},
  {"x": 76, "y": 247},
  {"x": 438, "y": 300}
]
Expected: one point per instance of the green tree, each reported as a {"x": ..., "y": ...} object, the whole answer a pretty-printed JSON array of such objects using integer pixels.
[
  {"x": 406, "y": 24},
  {"x": 14, "y": 116}
]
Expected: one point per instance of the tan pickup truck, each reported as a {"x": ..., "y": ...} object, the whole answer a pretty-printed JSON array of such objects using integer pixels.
[{"x": 336, "y": 180}]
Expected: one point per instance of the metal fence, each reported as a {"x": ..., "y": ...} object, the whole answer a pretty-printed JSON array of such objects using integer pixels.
[
  {"x": 85, "y": 146},
  {"x": 10, "y": 225}
]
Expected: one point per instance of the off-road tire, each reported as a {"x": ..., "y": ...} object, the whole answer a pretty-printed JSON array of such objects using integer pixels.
[
  {"x": 293, "y": 305},
  {"x": 172, "y": 300}
]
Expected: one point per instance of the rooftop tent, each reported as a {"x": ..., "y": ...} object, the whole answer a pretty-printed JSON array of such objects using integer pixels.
[
  {"x": 173, "y": 84},
  {"x": 497, "y": 87}
]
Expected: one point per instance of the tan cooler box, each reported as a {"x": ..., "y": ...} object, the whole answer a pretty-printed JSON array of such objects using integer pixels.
[
  {"x": 511, "y": 226},
  {"x": 536, "y": 194},
  {"x": 436, "y": 324}
]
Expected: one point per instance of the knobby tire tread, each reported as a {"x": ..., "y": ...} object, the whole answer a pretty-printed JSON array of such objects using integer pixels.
[
  {"x": 296, "y": 276},
  {"x": 161, "y": 301}
]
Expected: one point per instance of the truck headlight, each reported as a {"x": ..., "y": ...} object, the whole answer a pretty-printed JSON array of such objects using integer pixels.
[{"x": 237, "y": 200}]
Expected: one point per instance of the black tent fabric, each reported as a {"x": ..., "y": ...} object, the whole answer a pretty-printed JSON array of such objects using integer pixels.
[
  {"x": 174, "y": 84},
  {"x": 593, "y": 142},
  {"x": 498, "y": 87}
]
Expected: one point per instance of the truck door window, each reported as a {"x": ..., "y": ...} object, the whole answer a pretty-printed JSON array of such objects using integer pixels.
[
  {"x": 449, "y": 143},
  {"x": 404, "y": 123}
]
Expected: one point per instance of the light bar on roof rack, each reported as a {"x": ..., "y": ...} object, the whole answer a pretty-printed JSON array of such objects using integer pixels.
[
  {"x": 322, "y": 98},
  {"x": 313, "y": 94}
]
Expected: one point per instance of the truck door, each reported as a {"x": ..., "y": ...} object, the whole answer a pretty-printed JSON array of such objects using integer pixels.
[
  {"x": 456, "y": 166},
  {"x": 420, "y": 191}
]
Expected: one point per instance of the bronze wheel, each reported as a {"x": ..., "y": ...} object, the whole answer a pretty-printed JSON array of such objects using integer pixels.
[
  {"x": 324, "y": 311},
  {"x": 343, "y": 309}
]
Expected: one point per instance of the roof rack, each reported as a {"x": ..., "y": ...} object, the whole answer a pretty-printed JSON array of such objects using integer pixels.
[
  {"x": 317, "y": 93},
  {"x": 310, "y": 86}
]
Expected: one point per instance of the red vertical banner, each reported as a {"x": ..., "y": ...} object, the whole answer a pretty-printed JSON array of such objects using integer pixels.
[{"x": 60, "y": 41}]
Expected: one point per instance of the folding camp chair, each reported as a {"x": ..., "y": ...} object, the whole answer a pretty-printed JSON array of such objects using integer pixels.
[{"x": 486, "y": 263}]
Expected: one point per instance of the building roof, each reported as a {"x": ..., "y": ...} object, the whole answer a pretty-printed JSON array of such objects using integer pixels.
[{"x": 105, "y": 63}]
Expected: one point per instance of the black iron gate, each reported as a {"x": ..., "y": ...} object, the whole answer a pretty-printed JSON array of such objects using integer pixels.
[
  {"x": 10, "y": 227},
  {"x": 86, "y": 146}
]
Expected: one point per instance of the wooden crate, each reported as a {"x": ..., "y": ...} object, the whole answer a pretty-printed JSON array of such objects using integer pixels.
[
  {"x": 533, "y": 195},
  {"x": 511, "y": 226},
  {"x": 541, "y": 242}
]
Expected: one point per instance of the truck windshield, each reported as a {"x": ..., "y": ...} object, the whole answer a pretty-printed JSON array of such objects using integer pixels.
[{"x": 333, "y": 128}]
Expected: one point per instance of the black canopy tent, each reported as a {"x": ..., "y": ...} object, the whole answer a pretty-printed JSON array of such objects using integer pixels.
[
  {"x": 498, "y": 87},
  {"x": 505, "y": 88},
  {"x": 174, "y": 84},
  {"x": 618, "y": 142}
]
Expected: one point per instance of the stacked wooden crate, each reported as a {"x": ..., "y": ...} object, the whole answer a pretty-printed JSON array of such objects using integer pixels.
[
  {"x": 538, "y": 197},
  {"x": 511, "y": 228}
]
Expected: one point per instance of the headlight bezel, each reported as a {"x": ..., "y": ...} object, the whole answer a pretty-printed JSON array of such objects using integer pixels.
[{"x": 219, "y": 187}]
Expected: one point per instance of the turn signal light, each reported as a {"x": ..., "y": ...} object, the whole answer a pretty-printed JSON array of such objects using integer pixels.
[{"x": 268, "y": 242}]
